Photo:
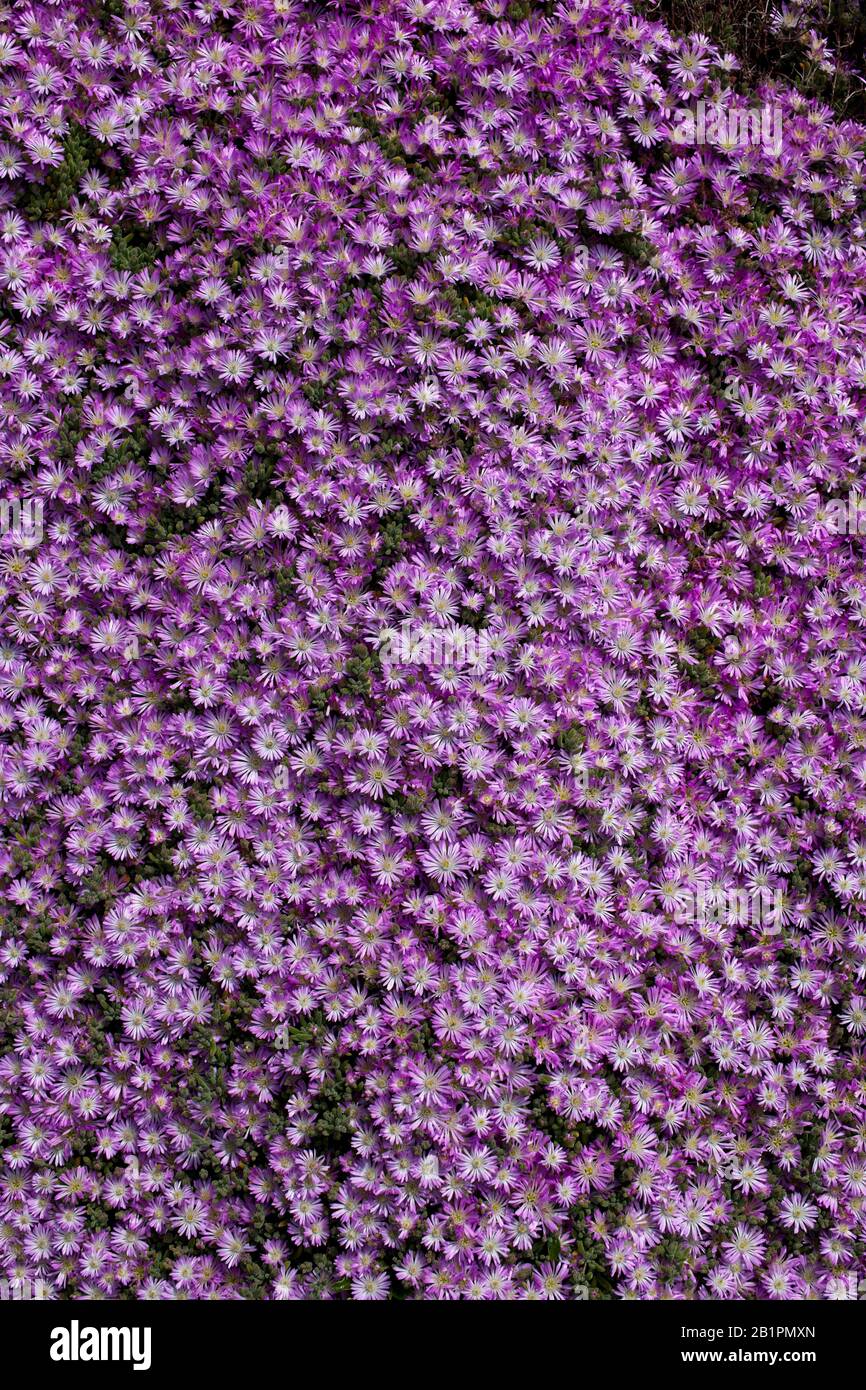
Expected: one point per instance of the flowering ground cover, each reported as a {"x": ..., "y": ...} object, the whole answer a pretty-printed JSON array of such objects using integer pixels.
[{"x": 433, "y": 657}]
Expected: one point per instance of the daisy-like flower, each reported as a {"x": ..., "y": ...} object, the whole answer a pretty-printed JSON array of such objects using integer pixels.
[{"x": 432, "y": 670}]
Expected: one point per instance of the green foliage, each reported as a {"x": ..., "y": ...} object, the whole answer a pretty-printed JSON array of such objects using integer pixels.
[
  {"x": 395, "y": 530},
  {"x": 741, "y": 27},
  {"x": 570, "y": 739},
  {"x": 282, "y": 581},
  {"x": 173, "y": 520},
  {"x": 546, "y": 1119},
  {"x": 763, "y": 700},
  {"x": 156, "y": 863},
  {"x": 336, "y": 1105},
  {"x": 763, "y": 586},
  {"x": 69, "y": 433},
  {"x": 260, "y": 471},
  {"x": 133, "y": 448},
  {"x": 361, "y": 667},
  {"x": 704, "y": 642},
  {"x": 132, "y": 249},
  {"x": 406, "y": 261},
  {"x": 257, "y": 478},
  {"x": 468, "y": 303},
  {"x": 447, "y": 781},
  {"x": 316, "y": 393},
  {"x": 403, "y": 803},
  {"x": 47, "y": 200},
  {"x": 633, "y": 245}
]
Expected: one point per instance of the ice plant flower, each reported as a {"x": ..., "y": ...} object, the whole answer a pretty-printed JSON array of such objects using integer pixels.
[{"x": 433, "y": 700}]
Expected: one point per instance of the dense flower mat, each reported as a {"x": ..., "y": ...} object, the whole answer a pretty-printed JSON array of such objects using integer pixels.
[{"x": 336, "y": 961}]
